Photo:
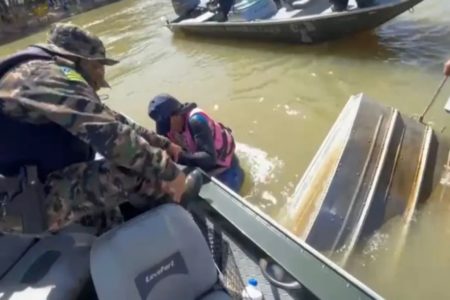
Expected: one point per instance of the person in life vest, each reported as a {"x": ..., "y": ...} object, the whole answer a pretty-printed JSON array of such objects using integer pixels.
[{"x": 206, "y": 143}]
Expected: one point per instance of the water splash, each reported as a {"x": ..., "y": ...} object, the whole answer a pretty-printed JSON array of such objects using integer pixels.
[
  {"x": 374, "y": 244},
  {"x": 269, "y": 197},
  {"x": 259, "y": 164}
]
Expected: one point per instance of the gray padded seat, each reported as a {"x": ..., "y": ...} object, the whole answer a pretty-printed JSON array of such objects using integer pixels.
[
  {"x": 56, "y": 267},
  {"x": 12, "y": 247},
  {"x": 219, "y": 295},
  {"x": 159, "y": 255}
]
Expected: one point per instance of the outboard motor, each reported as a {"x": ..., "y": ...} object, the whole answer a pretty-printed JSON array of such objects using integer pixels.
[{"x": 184, "y": 7}]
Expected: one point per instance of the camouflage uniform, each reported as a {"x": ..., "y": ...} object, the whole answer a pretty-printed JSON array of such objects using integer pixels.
[{"x": 41, "y": 91}]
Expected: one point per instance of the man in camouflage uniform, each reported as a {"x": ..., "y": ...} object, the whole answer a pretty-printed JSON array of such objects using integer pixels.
[{"x": 61, "y": 91}]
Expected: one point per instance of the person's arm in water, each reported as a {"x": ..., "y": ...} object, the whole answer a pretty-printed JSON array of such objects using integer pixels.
[{"x": 205, "y": 156}]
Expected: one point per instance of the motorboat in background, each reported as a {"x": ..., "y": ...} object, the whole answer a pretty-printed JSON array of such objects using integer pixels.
[{"x": 309, "y": 21}]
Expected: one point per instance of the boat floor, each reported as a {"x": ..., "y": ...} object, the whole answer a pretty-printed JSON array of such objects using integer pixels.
[
  {"x": 238, "y": 265},
  {"x": 315, "y": 8},
  {"x": 249, "y": 269}
]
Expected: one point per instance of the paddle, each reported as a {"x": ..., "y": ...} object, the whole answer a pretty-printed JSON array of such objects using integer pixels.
[{"x": 433, "y": 99}]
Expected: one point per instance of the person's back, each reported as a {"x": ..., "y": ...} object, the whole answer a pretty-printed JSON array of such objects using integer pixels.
[
  {"x": 42, "y": 143},
  {"x": 55, "y": 121}
]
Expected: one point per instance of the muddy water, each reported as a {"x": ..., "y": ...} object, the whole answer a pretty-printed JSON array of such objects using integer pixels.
[{"x": 281, "y": 101}]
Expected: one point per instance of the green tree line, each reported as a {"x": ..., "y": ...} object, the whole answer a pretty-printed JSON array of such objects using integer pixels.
[{"x": 11, "y": 10}]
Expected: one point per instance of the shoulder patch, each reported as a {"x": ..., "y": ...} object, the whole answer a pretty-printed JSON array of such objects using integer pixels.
[{"x": 72, "y": 75}]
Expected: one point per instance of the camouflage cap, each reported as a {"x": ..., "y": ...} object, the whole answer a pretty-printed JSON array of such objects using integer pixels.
[{"x": 71, "y": 40}]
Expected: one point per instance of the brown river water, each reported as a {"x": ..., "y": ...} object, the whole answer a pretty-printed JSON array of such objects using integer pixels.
[{"x": 281, "y": 100}]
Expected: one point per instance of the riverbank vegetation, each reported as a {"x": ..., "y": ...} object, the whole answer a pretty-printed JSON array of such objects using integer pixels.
[{"x": 19, "y": 18}]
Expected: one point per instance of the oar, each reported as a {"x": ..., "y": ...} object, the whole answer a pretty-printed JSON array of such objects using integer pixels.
[{"x": 433, "y": 99}]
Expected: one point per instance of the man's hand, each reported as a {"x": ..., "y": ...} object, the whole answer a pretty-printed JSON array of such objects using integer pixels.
[
  {"x": 176, "y": 187},
  {"x": 447, "y": 68},
  {"x": 174, "y": 151}
]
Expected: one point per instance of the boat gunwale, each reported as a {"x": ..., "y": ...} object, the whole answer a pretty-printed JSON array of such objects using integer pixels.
[{"x": 358, "y": 284}]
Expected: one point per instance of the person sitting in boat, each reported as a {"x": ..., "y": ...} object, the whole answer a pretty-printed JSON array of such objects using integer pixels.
[
  {"x": 206, "y": 143},
  {"x": 447, "y": 68},
  {"x": 341, "y": 5},
  {"x": 221, "y": 8},
  {"x": 192, "y": 9}
]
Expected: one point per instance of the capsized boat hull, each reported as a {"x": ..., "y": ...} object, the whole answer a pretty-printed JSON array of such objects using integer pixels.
[
  {"x": 375, "y": 164},
  {"x": 303, "y": 30}
]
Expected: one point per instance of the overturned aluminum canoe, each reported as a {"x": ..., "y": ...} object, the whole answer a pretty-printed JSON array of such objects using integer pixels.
[{"x": 374, "y": 164}]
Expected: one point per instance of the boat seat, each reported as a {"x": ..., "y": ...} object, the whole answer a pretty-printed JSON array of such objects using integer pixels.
[
  {"x": 22, "y": 201},
  {"x": 12, "y": 247},
  {"x": 55, "y": 267},
  {"x": 160, "y": 254}
]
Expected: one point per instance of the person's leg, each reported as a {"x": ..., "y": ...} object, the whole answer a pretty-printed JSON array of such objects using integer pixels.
[
  {"x": 221, "y": 9},
  {"x": 339, "y": 5},
  {"x": 225, "y": 7},
  {"x": 365, "y": 3},
  {"x": 94, "y": 187},
  {"x": 233, "y": 177}
]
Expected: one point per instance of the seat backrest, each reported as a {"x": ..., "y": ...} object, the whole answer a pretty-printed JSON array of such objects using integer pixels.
[
  {"x": 22, "y": 202},
  {"x": 12, "y": 247},
  {"x": 54, "y": 267},
  {"x": 158, "y": 255}
]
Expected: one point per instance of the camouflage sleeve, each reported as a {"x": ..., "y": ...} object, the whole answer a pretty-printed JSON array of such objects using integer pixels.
[
  {"x": 60, "y": 95},
  {"x": 151, "y": 137}
]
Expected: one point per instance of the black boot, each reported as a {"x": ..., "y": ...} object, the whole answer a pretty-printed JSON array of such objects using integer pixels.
[{"x": 339, "y": 5}]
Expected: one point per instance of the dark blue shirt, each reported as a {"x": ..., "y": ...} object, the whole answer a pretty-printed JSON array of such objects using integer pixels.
[{"x": 205, "y": 156}]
